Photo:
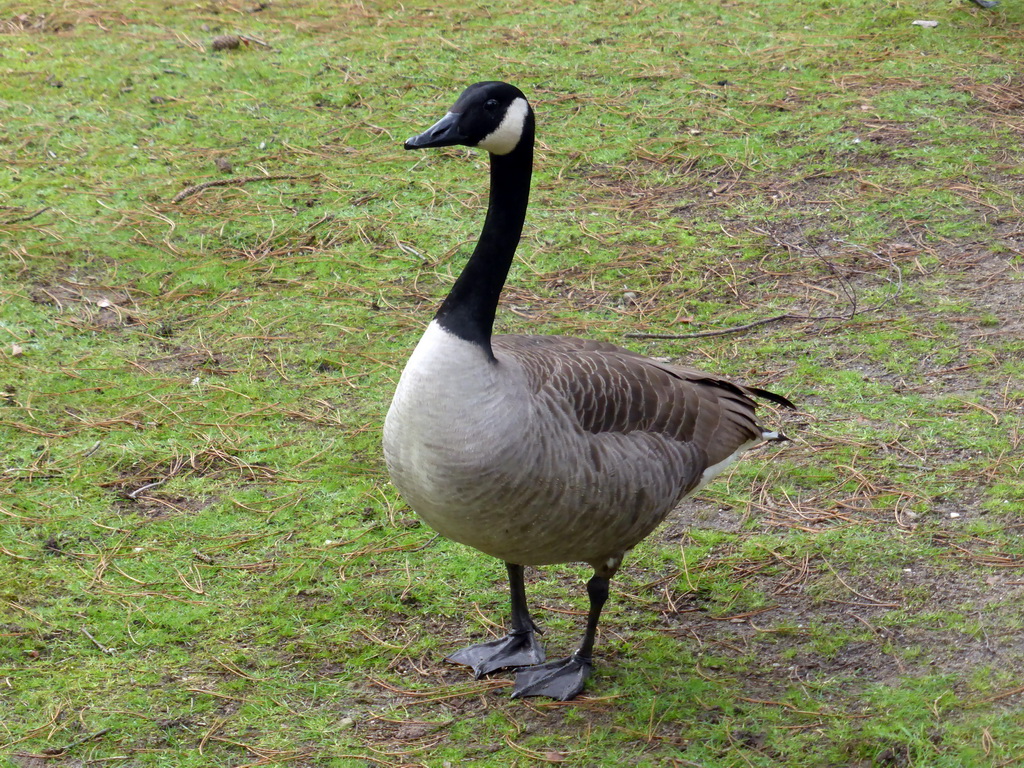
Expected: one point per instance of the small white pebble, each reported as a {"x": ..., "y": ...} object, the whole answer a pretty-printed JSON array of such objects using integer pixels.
[{"x": 954, "y": 514}]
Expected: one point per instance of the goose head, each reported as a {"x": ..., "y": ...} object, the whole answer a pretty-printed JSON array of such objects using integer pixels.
[{"x": 491, "y": 115}]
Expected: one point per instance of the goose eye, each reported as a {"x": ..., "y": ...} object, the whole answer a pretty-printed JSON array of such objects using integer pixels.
[{"x": 491, "y": 104}]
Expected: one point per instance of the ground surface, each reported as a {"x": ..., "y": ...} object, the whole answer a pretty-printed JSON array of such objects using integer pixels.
[{"x": 214, "y": 263}]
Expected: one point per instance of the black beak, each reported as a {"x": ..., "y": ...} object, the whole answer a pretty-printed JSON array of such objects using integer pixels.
[{"x": 444, "y": 133}]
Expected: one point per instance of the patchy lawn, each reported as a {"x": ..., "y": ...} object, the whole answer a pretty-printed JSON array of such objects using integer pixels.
[{"x": 214, "y": 260}]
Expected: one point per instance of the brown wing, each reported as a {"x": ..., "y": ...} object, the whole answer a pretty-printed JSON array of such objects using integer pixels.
[{"x": 610, "y": 389}]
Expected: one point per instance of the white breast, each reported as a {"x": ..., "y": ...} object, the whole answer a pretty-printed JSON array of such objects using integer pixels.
[{"x": 449, "y": 427}]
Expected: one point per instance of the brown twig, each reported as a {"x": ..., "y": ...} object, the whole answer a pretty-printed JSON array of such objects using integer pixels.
[
  {"x": 31, "y": 216},
  {"x": 55, "y": 751},
  {"x": 721, "y": 332},
  {"x": 197, "y": 188},
  {"x": 255, "y": 41},
  {"x": 96, "y": 642},
  {"x": 1004, "y": 695}
]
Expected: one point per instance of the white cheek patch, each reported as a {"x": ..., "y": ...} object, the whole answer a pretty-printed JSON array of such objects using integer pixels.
[{"x": 506, "y": 136}]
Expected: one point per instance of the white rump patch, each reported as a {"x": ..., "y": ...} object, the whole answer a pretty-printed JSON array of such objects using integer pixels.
[
  {"x": 716, "y": 469},
  {"x": 506, "y": 136}
]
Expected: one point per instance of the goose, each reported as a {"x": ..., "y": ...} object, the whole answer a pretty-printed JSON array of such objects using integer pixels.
[{"x": 539, "y": 450}]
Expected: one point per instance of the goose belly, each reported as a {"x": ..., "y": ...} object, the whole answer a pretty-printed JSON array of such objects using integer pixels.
[
  {"x": 590, "y": 498},
  {"x": 512, "y": 476},
  {"x": 535, "y": 503}
]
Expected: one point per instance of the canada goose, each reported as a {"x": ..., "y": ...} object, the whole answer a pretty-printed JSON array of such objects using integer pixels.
[{"x": 544, "y": 449}]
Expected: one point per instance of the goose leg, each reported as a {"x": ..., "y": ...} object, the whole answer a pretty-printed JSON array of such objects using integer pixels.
[
  {"x": 563, "y": 679},
  {"x": 519, "y": 648}
]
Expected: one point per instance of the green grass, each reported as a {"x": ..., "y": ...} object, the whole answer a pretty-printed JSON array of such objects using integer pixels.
[{"x": 201, "y": 560}]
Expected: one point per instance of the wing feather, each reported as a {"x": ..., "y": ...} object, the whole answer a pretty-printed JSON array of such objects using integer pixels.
[{"x": 611, "y": 389}]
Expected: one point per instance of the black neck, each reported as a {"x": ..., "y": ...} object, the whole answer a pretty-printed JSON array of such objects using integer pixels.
[{"x": 468, "y": 311}]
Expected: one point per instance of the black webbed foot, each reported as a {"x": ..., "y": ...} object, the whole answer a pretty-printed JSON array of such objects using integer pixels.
[
  {"x": 562, "y": 680},
  {"x": 516, "y": 649}
]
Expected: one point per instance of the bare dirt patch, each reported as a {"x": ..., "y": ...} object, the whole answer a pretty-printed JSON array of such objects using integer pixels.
[
  {"x": 154, "y": 504},
  {"x": 90, "y": 302},
  {"x": 995, "y": 284},
  {"x": 209, "y": 462},
  {"x": 36, "y": 22},
  {"x": 186, "y": 359}
]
